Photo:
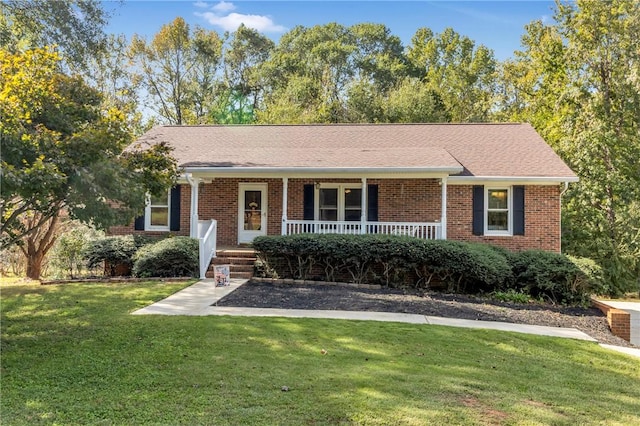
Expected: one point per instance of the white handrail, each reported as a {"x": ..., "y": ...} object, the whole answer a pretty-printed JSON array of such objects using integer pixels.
[
  {"x": 207, "y": 237},
  {"x": 426, "y": 230}
]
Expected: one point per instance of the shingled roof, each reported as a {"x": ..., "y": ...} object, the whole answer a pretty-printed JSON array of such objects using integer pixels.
[{"x": 473, "y": 150}]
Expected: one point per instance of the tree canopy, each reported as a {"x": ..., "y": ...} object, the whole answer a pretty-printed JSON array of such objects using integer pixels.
[
  {"x": 576, "y": 81},
  {"x": 60, "y": 150}
]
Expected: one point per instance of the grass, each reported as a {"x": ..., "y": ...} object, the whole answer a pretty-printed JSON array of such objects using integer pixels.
[{"x": 72, "y": 354}]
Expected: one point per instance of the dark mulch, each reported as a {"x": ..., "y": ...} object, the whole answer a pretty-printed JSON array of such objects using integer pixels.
[{"x": 330, "y": 297}]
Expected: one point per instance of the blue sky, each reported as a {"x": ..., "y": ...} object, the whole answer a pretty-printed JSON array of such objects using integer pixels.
[{"x": 496, "y": 24}]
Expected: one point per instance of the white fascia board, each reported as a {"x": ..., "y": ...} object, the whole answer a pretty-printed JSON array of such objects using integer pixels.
[
  {"x": 521, "y": 180},
  {"x": 328, "y": 172}
]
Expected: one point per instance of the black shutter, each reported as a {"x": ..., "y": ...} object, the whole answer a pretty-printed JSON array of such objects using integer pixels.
[
  {"x": 138, "y": 225},
  {"x": 309, "y": 195},
  {"x": 372, "y": 203},
  {"x": 518, "y": 210},
  {"x": 174, "y": 214},
  {"x": 478, "y": 210}
]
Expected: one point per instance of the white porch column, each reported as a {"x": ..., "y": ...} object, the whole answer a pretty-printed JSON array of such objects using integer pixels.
[
  {"x": 363, "y": 208},
  {"x": 443, "y": 214},
  {"x": 193, "y": 224},
  {"x": 285, "y": 199}
]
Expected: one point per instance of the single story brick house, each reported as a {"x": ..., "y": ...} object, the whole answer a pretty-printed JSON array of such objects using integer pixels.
[{"x": 493, "y": 183}]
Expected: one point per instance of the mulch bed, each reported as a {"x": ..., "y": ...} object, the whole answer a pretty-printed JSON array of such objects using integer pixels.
[{"x": 350, "y": 298}]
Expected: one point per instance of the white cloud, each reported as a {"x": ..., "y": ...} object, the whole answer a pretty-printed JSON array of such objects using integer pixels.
[
  {"x": 201, "y": 4},
  {"x": 224, "y": 6},
  {"x": 232, "y": 21}
]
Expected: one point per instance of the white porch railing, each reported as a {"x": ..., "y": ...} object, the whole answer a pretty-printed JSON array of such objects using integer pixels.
[
  {"x": 426, "y": 230},
  {"x": 207, "y": 237}
]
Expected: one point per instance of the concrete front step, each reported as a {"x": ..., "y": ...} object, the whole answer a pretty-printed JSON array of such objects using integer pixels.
[
  {"x": 240, "y": 261},
  {"x": 233, "y": 260},
  {"x": 236, "y": 253}
]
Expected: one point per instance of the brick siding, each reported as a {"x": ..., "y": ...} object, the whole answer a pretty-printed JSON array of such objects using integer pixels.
[
  {"x": 542, "y": 219},
  {"x": 400, "y": 200}
]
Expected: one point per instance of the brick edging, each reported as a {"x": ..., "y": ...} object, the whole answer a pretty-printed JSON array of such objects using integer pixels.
[{"x": 619, "y": 320}]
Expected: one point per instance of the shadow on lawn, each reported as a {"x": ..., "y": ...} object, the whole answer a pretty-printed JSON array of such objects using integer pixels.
[{"x": 73, "y": 354}]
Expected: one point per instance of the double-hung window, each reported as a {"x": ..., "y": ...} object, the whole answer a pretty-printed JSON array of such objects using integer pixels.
[
  {"x": 157, "y": 212},
  {"x": 339, "y": 202},
  {"x": 498, "y": 211}
]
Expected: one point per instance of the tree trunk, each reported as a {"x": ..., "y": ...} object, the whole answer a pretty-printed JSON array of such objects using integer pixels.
[
  {"x": 37, "y": 244},
  {"x": 34, "y": 265}
]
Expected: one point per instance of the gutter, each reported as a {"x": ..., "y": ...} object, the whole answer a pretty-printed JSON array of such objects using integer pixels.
[
  {"x": 460, "y": 180},
  {"x": 320, "y": 170}
]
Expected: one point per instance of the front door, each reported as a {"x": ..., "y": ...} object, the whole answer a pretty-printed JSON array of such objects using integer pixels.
[{"x": 252, "y": 211}]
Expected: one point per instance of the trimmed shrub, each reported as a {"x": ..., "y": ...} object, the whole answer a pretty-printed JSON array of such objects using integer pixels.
[
  {"x": 113, "y": 251},
  {"x": 385, "y": 259},
  {"x": 553, "y": 276},
  {"x": 462, "y": 267},
  {"x": 459, "y": 267},
  {"x": 171, "y": 257}
]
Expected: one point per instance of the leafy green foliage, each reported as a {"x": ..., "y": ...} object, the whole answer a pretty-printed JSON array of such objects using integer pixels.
[
  {"x": 61, "y": 150},
  {"x": 405, "y": 261},
  {"x": 171, "y": 257},
  {"x": 112, "y": 251},
  {"x": 461, "y": 73},
  {"x": 68, "y": 253},
  {"x": 511, "y": 295},
  {"x": 387, "y": 259},
  {"x": 76, "y": 26},
  {"x": 177, "y": 69},
  {"x": 554, "y": 277},
  {"x": 576, "y": 80}
]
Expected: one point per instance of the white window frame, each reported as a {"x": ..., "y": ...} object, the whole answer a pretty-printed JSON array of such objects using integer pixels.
[
  {"x": 341, "y": 187},
  {"x": 509, "y": 231},
  {"x": 147, "y": 214}
]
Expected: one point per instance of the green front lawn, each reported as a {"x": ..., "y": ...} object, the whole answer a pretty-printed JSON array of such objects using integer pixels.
[{"x": 72, "y": 354}]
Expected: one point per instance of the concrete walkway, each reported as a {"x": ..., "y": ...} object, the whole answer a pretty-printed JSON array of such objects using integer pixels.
[{"x": 200, "y": 299}]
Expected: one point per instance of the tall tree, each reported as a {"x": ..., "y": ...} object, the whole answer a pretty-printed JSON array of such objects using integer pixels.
[
  {"x": 62, "y": 152},
  {"x": 462, "y": 73},
  {"x": 177, "y": 70},
  {"x": 75, "y": 26},
  {"x": 577, "y": 81},
  {"x": 242, "y": 87},
  {"x": 111, "y": 77},
  {"x": 308, "y": 74},
  {"x": 314, "y": 72}
]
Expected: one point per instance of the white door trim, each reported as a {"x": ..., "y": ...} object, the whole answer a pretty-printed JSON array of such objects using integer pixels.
[{"x": 246, "y": 236}]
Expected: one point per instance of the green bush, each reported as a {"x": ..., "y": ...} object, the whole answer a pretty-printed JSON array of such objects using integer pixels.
[
  {"x": 386, "y": 259},
  {"x": 511, "y": 296},
  {"x": 591, "y": 276},
  {"x": 553, "y": 277},
  {"x": 171, "y": 257},
  {"x": 113, "y": 251},
  {"x": 457, "y": 266},
  {"x": 68, "y": 253}
]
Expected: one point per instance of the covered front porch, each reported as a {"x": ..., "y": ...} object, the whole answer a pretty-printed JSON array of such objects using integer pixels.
[
  {"x": 241, "y": 209},
  {"x": 248, "y": 208}
]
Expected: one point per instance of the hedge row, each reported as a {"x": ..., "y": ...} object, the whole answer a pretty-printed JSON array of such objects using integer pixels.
[
  {"x": 170, "y": 257},
  {"x": 399, "y": 261}
]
